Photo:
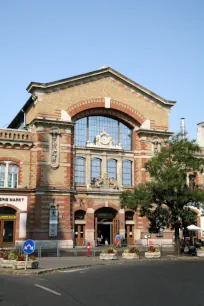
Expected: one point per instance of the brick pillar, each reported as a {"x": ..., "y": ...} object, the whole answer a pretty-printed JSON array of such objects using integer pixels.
[
  {"x": 89, "y": 231},
  {"x": 121, "y": 217}
]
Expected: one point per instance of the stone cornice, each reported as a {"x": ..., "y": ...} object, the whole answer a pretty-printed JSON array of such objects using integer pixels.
[
  {"x": 154, "y": 132},
  {"x": 51, "y": 122}
]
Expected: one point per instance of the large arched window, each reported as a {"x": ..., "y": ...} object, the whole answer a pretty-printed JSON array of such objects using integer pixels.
[
  {"x": 95, "y": 169},
  {"x": 80, "y": 170},
  {"x": 2, "y": 175},
  {"x": 127, "y": 173},
  {"x": 112, "y": 168},
  {"x": 87, "y": 128},
  {"x": 12, "y": 176}
]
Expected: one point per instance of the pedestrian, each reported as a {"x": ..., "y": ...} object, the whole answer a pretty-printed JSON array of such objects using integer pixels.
[{"x": 117, "y": 240}]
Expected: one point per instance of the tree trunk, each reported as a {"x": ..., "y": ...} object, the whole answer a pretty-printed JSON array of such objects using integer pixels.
[{"x": 177, "y": 239}]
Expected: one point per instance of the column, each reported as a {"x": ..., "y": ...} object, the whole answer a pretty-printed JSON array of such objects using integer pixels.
[
  {"x": 119, "y": 172},
  {"x": 121, "y": 218},
  {"x": 89, "y": 231},
  {"x": 103, "y": 166},
  {"x": 88, "y": 170}
]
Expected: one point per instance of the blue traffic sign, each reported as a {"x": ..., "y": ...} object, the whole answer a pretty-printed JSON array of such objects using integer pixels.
[{"x": 29, "y": 246}]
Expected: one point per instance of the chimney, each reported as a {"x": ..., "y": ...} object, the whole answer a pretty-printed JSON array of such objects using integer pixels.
[{"x": 183, "y": 127}]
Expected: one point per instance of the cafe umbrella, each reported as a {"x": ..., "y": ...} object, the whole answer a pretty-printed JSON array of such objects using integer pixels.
[{"x": 193, "y": 228}]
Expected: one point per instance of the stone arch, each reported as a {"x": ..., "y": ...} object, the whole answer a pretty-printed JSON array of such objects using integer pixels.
[
  {"x": 79, "y": 208},
  {"x": 113, "y": 206},
  {"x": 14, "y": 160},
  {"x": 96, "y": 106},
  {"x": 15, "y": 208}
]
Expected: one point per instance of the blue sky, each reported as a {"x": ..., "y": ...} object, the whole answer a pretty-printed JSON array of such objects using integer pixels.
[{"x": 157, "y": 43}]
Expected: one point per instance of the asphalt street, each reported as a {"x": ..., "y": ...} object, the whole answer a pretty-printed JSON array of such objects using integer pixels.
[{"x": 154, "y": 283}]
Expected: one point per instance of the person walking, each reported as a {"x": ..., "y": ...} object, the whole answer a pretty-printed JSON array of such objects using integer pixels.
[{"x": 117, "y": 240}]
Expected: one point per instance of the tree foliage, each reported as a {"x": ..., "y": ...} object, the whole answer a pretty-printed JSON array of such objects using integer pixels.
[{"x": 166, "y": 199}]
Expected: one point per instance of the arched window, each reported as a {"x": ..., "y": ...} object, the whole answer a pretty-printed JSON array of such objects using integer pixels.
[
  {"x": 79, "y": 215},
  {"x": 87, "y": 128},
  {"x": 2, "y": 175},
  {"x": 80, "y": 132},
  {"x": 127, "y": 173},
  {"x": 12, "y": 176},
  {"x": 80, "y": 170},
  {"x": 112, "y": 168},
  {"x": 95, "y": 169}
]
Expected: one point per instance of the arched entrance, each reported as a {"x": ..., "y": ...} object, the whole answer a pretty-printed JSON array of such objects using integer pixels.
[
  {"x": 79, "y": 227},
  {"x": 106, "y": 225},
  {"x": 7, "y": 226}
]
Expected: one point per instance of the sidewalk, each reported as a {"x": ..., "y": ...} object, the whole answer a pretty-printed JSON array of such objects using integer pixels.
[{"x": 51, "y": 264}]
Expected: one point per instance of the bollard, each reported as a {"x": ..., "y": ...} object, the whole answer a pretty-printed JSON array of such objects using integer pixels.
[{"x": 88, "y": 249}]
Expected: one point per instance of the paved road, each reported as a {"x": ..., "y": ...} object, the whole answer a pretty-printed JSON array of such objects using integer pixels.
[{"x": 142, "y": 284}]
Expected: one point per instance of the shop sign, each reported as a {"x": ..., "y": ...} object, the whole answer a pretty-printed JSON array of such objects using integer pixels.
[
  {"x": 12, "y": 199},
  {"x": 18, "y": 201},
  {"x": 7, "y": 217}
]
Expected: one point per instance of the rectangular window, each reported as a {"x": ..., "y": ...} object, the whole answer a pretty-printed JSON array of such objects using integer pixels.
[
  {"x": 80, "y": 170},
  {"x": 127, "y": 173},
  {"x": 12, "y": 176},
  {"x": 95, "y": 169},
  {"x": 2, "y": 175},
  {"x": 112, "y": 168}
]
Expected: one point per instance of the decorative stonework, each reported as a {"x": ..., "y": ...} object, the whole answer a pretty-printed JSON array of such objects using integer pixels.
[
  {"x": 105, "y": 182},
  {"x": 103, "y": 140},
  {"x": 54, "y": 147}
]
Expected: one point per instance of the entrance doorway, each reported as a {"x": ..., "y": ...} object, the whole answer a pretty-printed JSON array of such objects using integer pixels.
[
  {"x": 106, "y": 226},
  {"x": 104, "y": 232},
  {"x": 79, "y": 227},
  {"x": 7, "y": 226},
  {"x": 129, "y": 227}
]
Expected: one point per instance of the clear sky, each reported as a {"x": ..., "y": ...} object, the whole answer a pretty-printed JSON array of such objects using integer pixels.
[{"x": 157, "y": 43}]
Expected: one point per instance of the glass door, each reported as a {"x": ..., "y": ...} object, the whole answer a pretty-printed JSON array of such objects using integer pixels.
[{"x": 79, "y": 234}]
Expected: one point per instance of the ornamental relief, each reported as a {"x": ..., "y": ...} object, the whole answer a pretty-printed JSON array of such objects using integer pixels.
[
  {"x": 105, "y": 182},
  {"x": 54, "y": 147},
  {"x": 103, "y": 140}
]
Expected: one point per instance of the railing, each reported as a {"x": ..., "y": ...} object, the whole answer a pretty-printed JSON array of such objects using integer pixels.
[
  {"x": 44, "y": 250},
  {"x": 12, "y": 134}
]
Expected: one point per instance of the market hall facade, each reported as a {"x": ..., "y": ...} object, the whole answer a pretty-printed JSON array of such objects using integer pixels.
[{"x": 69, "y": 153}]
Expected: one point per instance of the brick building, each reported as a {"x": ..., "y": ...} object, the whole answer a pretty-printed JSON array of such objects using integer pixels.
[{"x": 65, "y": 158}]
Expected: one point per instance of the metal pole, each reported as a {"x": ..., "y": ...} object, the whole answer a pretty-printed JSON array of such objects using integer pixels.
[{"x": 26, "y": 261}]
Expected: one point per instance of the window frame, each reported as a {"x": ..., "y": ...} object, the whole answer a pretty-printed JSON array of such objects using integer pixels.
[
  {"x": 123, "y": 173},
  {"x": 91, "y": 170},
  {"x": 84, "y": 170},
  {"x": 115, "y": 161},
  {"x": 8, "y": 164},
  {"x": 84, "y": 131},
  {"x": 4, "y": 166}
]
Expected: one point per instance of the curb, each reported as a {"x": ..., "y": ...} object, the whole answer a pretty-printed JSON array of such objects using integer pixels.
[{"x": 136, "y": 261}]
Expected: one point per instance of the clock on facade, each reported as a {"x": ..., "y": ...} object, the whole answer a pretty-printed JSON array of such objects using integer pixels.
[{"x": 104, "y": 139}]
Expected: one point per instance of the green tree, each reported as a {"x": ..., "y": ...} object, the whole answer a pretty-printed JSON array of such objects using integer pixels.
[{"x": 166, "y": 197}]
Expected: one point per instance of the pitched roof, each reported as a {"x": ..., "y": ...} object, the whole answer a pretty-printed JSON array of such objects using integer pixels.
[
  {"x": 88, "y": 77},
  {"x": 107, "y": 71}
]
